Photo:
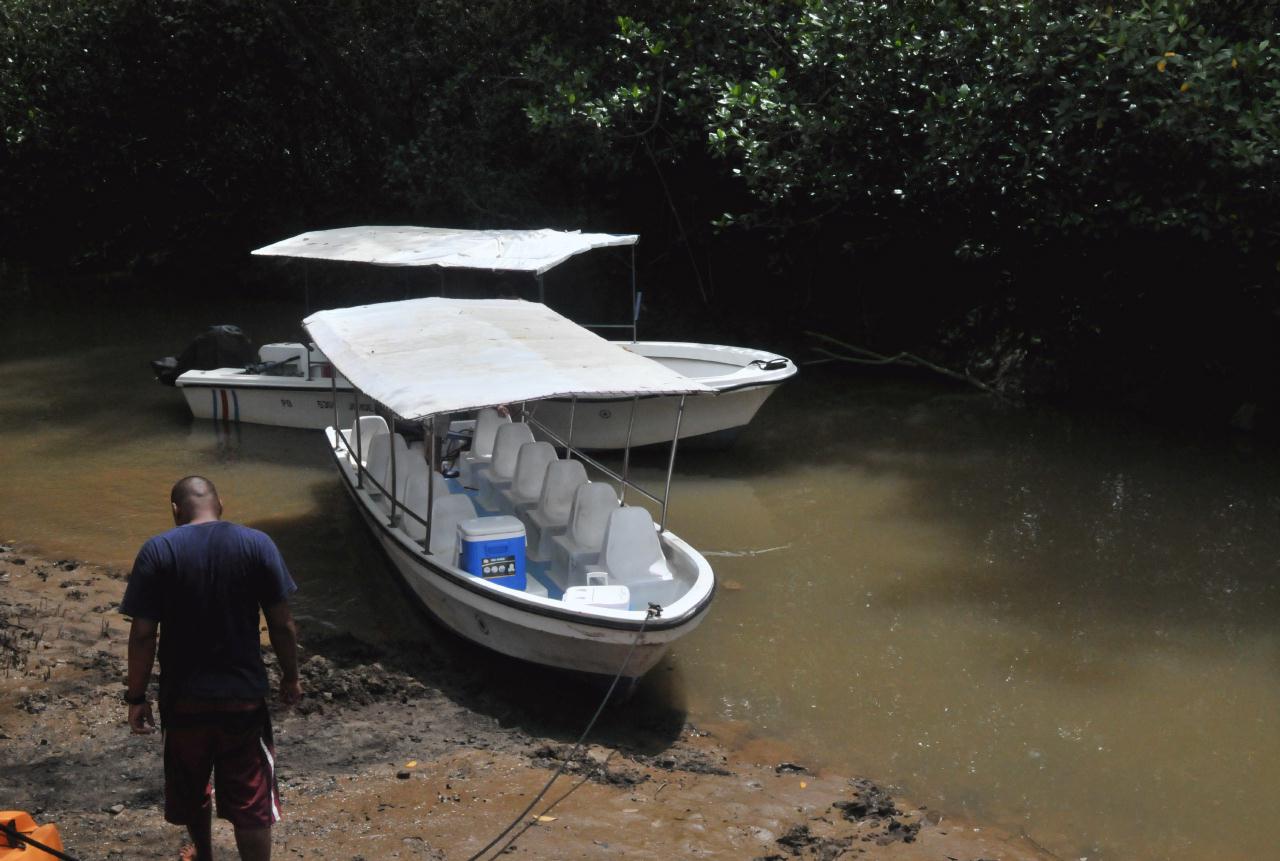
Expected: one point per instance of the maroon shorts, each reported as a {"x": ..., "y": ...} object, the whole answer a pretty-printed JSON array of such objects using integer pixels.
[{"x": 237, "y": 749}]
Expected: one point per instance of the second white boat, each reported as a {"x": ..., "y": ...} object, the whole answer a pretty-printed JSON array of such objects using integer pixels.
[{"x": 299, "y": 387}]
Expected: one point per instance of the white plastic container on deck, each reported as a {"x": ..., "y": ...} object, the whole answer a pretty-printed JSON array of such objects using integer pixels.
[{"x": 606, "y": 597}]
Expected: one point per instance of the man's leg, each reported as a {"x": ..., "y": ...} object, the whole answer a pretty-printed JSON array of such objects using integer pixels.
[
  {"x": 254, "y": 843},
  {"x": 201, "y": 830},
  {"x": 245, "y": 778},
  {"x": 188, "y": 761}
]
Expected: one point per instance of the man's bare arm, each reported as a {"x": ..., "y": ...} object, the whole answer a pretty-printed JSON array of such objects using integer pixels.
[
  {"x": 142, "y": 657},
  {"x": 284, "y": 639}
]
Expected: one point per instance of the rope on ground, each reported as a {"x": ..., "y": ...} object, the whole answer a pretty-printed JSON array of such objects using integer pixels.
[
  {"x": 654, "y": 611},
  {"x": 591, "y": 772},
  {"x": 17, "y": 838}
]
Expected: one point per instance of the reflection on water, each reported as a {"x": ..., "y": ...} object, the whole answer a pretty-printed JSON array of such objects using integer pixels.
[
  {"x": 1062, "y": 625},
  {"x": 1049, "y": 623}
]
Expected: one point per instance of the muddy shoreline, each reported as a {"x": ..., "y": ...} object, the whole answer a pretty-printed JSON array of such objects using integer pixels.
[{"x": 401, "y": 753}]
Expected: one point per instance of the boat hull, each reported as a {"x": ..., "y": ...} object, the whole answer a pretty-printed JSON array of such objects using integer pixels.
[
  {"x": 506, "y": 627},
  {"x": 742, "y": 379},
  {"x": 709, "y": 420},
  {"x": 229, "y": 395}
]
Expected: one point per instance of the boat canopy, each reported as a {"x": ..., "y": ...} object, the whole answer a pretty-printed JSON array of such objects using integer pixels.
[
  {"x": 507, "y": 250},
  {"x": 423, "y": 357}
]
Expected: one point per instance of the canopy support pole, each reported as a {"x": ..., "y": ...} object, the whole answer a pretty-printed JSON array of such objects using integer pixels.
[
  {"x": 626, "y": 452},
  {"x": 568, "y": 446},
  {"x": 542, "y": 290},
  {"x": 671, "y": 464},
  {"x": 355, "y": 393},
  {"x": 333, "y": 389},
  {"x": 391, "y": 518},
  {"x": 635, "y": 298},
  {"x": 430, "y": 429}
]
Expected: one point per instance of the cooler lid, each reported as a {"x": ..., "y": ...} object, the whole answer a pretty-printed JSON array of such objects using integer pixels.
[{"x": 491, "y": 528}]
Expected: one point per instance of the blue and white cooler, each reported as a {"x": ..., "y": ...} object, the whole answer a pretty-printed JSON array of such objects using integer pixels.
[{"x": 493, "y": 548}]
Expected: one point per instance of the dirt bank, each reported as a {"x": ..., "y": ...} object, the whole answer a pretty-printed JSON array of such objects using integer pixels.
[{"x": 400, "y": 755}]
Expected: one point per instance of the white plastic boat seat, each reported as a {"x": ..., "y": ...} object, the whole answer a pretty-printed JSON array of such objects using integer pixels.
[
  {"x": 447, "y": 513},
  {"x": 506, "y": 448},
  {"x": 580, "y": 545},
  {"x": 632, "y": 552},
  {"x": 370, "y": 427},
  {"x": 506, "y": 451},
  {"x": 415, "y": 500},
  {"x": 409, "y": 472},
  {"x": 531, "y": 472},
  {"x": 403, "y": 462},
  {"x": 488, "y": 421},
  {"x": 377, "y": 453},
  {"x": 551, "y": 515}
]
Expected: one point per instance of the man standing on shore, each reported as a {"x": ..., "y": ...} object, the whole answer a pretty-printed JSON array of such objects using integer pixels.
[{"x": 197, "y": 589}]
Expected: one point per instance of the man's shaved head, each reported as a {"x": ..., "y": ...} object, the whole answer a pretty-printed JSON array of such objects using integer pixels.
[{"x": 193, "y": 497}]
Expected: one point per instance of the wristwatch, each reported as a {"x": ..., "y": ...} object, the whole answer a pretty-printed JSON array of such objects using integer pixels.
[{"x": 135, "y": 701}]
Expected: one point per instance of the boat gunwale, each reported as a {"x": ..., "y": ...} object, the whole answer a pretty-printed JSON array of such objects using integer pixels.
[{"x": 260, "y": 381}]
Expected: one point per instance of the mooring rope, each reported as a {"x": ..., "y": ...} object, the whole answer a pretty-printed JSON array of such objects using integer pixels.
[{"x": 654, "y": 611}]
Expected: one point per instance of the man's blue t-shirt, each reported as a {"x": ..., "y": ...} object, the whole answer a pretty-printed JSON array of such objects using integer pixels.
[{"x": 204, "y": 583}]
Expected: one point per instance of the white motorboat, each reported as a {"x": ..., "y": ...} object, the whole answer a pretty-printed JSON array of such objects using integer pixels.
[
  {"x": 521, "y": 552},
  {"x": 295, "y": 390}
]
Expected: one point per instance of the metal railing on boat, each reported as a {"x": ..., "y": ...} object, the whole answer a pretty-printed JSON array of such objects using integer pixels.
[{"x": 430, "y": 439}]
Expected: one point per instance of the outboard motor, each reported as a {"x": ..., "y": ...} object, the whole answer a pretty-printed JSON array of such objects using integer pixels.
[{"x": 217, "y": 347}]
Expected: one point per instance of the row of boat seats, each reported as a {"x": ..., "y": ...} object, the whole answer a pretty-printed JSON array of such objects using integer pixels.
[
  {"x": 448, "y": 509},
  {"x": 567, "y": 518},
  {"x": 574, "y": 523},
  {"x": 628, "y": 553}
]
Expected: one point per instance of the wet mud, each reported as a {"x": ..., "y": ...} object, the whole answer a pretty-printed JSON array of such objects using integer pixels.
[{"x": 402, "y": 753}]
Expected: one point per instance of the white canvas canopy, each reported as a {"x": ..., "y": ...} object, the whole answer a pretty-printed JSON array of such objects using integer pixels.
[
  {"x": 533, "y": 251},
  {"x": 422, "y": 357}
]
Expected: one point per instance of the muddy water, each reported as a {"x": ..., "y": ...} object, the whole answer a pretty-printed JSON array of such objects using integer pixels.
[{"x": 1058, "y": 623}]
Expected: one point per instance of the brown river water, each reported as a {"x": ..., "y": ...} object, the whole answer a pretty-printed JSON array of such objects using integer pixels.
[{"x": 1059, "y": 623}]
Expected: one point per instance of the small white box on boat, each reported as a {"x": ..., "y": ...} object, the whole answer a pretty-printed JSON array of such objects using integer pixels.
[
  {"x": 607, "y": 597},
  {"x": 493, "y": 548}
]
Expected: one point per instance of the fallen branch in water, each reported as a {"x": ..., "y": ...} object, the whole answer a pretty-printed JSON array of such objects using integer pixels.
[{"x": 863, "y": 356}]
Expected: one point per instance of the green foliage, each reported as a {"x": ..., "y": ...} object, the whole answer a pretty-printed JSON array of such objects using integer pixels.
[
  {"x": 988, "y": 125},
  {"x": 134, "y": 127},
  {"x": 138, "y": 124},
  {"x": 1054, "y": 141}
]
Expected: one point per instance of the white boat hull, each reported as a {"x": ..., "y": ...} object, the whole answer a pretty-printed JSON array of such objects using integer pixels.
[
  {"x": 742, "y": 378},
  {"x": 742, "y": 387},
  {"x": 600, "y": 425},
  {"x": 507, "y": 622},
  {"x": 229, "y": 395}
]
